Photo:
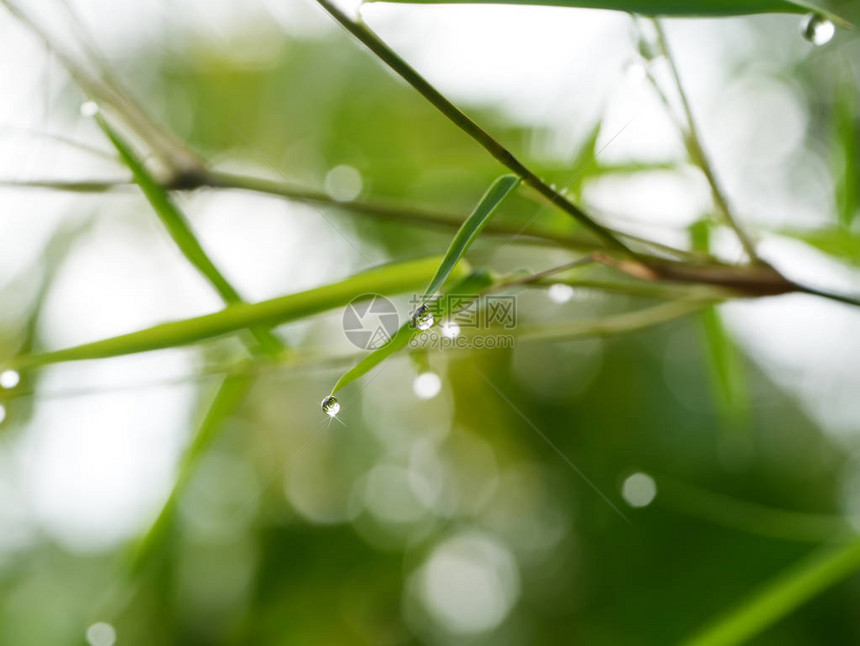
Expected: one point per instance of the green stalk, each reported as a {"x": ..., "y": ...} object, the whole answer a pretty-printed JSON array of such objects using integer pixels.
[{"x": 696, "y": 151}]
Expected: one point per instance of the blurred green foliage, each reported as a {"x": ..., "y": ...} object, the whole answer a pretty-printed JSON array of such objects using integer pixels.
[{"x": 239, "y": 569}]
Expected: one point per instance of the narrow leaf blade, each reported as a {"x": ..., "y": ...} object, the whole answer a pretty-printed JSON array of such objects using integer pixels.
[
  {"x": 477, "y": 220},
  {"x": 229, "y": 397},
  {"x": 728, "y": 376},
  {"x": 682, "y": 8},
  {"x": 822, "y": 569},
  {"x": 180, "y": 230},
  {"x": 172, "y": 219},
  {"x": 846, "y": 153}
]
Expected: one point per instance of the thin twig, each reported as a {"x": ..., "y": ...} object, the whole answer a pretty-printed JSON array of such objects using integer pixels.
[
  {"x": 538, "y": 276},
  {"x": 173, "y": 151},
  {"x": 467, "y": 125},
  {"x": 71, "y": 186},
  {"x": 696, "y": 151},
  {"x": 67, "y": 141},
  {"x": 403, "y": 214}
]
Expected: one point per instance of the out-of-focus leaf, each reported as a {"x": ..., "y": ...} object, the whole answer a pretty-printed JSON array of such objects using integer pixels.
[
  {"x": 846, "y": 140},
  {"x": 614, "y": 324},
  {"x": 700, "y": 234},
  {"x": 228, "y": 398},
  {"x": 470, "y": 229},
  {"x": 392, "y": 278},
  {"x": 473, "y": 285},
  {"x": 698, "y": 8},
  {"x": 727, "y": 372},
  {"x": 179, "y": 229},
  {"x": 836, "y": 242},
  {"x": 728, "y": 378},
  {"x": 822, "y": 569},
  {"x": 746, "y": 516}
]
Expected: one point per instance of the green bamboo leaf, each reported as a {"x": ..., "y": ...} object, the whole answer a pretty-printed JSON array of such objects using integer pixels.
[
  {"x": 745, "y": 516},
  {"x": 823, "y": 568},
  {"x": 728, "y": 378},
  {"x": 180, "y": 230},
  {"x": 229, "y": 397},
  {"x": 846, "y": 152},
  {"x": 690, "y": 8},
  {"x": 477, "y": 220},
  {"x": 474, "y": 284},
  {"x": 727, "y": 371},
  {"x": 615, "y": 324},
  {"x": 393, "y": 278}
]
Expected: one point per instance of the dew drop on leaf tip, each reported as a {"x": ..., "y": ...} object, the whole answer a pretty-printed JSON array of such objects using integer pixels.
[
  {"x": 422, "y": 318},
  {"x": 817, "y": 29},
  {"x": 330, "y": 406}
]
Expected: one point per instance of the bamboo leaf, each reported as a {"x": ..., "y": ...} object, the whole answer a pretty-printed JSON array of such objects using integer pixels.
[
  {"x": 477, "y": 220},
  {"x": 822, "y": 569},
  {"x": 180, "y": 230},
  {"x": 472, "y": 285},
  {"x": 615, "y": 324},
  {"x": 846, "y": 157},
  {"x": 728, "y": 378},
  {"x": 745, "y": 516},
  {"x": 727, "y": 372},
  {"x": 229, "y": 397},
  {"x": 691, "y": 8},
  {"x": 392, "y": 278}
]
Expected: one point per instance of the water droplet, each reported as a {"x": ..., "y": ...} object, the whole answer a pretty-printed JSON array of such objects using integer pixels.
[
  {"x": 639, "y": 490},
  {"x": 343, "y": 183},
  {"x": 427, "y": 385},
  {"x": 560, "y": 293},
  {"x": 9, "y": 379},
  {"x": 817, "y": 29},
  {"x": 2, "y": 413},
  {"x": 101, "y": 634},
  {"x": 450, "y": 330},
  {"x": 330, "y": 406},
  {"x": 89, "y": 109},
  {"x": 422, "y": 318}
]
